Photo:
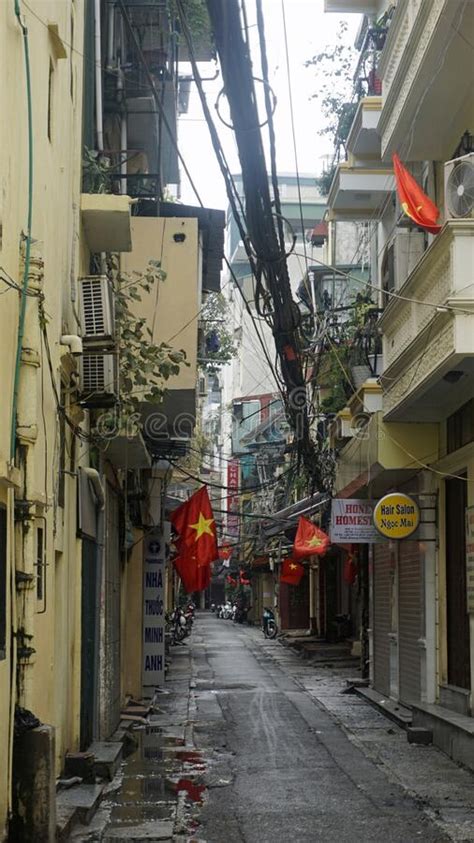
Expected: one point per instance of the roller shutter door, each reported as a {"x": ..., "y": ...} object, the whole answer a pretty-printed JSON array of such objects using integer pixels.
[
  {"x": 381, "y": 617},
  {"x": 410, "y": 621}
]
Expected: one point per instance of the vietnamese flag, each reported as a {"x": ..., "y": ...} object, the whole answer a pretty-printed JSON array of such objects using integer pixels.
[
  {"x": 349, "y": 573},
  {"x": 244, "y": 580},
  {"x": 193, "y": 576},
  {"x": 187, "y": 570},
  {"x": 291, "y": 572},
  {"x": 195, "y": 525},
  {"x": 225, "y": 551},
  {"x": 309, "y": 540},
  {"x": 416, "y": 204}
]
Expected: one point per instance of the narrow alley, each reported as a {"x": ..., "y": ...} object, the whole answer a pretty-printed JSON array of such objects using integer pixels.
[
  {"x": 267, "y": 749},
  {"x": 237, "y": 421}
]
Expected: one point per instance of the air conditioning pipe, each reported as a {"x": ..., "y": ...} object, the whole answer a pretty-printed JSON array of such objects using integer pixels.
[
  {"x": 94, "y": 478},
  {"x": 74, "y": 342}
]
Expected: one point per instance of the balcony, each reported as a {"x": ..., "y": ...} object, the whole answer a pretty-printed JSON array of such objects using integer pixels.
[
  {"x": 107, "y": 222},
  {"x": 363, "y": 140},
  {"x": 428, "y": 349},
  {"x": 358, "y": 193},
  {"x": 426, "y": 70},
  {"x": 362, "y": 7},
  {"x": 381, "y": 455},
  {"x": 127, "y": 449}
]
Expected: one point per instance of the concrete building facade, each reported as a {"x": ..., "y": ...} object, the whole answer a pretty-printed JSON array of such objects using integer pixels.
[
  {"x": 80, "y": 485},
  {"x": 421, "y": 616}
]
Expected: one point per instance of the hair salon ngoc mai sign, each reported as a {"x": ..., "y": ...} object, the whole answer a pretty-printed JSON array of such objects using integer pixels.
[{"x": 396, "y": 516}]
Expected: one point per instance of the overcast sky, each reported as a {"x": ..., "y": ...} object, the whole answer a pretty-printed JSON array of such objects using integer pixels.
[{"x": 309, "y": 30}]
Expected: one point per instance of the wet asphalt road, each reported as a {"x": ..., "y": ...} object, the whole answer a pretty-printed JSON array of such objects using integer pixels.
[{"x": 287, "y": 772}]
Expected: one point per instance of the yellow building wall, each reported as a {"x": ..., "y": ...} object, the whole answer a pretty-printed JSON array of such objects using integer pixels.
[
  {"x": 172, "y": 307},
  {"x": 50, "y": 683},
  {"x": 132, "y": 620}
]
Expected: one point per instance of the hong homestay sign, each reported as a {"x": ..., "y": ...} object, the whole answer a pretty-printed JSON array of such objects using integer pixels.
[{"x": 352, "y": 522}]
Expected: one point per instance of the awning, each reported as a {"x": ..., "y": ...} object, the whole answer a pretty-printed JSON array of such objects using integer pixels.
[{"x": 287, "y": 518}]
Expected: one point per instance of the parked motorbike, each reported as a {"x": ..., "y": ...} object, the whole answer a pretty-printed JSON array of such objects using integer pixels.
[
  {"x": 240, "y": 614},
  {"x": 189, "y": 620},
  {"x": 178, "y": 625},
  {"x": 269, "y": 627},
  {"x": 226, "y": 611}
]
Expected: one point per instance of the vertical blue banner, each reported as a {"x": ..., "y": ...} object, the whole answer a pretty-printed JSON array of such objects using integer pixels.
[{"x": 153, "y": 668}]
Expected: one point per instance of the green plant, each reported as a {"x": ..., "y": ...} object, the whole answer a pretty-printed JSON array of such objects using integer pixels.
[
  {"x": 144, "y": 364},
  {"x": 334, "y": 67},
  {"x": 196, "y": 15},
  {"x": 324, "y": 181},
  {"x": 199, "y": 449},
  {"x": 95, "y": 172},
  {"x": 356, "y": 338},
  {"x": 218, "y": 340}
]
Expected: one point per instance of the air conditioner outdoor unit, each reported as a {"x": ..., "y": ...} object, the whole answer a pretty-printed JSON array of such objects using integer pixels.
[
  {"x": 96, "y": 311},
  {"x": 98, "y": 380},
  {"x": 459, "y": 187}
]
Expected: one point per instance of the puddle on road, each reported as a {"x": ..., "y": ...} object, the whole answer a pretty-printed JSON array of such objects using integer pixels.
[
  {"x": 154, "y": 775},
  {"x": 194, "y": 791}
]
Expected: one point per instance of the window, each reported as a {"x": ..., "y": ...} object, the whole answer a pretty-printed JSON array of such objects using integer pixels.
[
  {"x": 62, "y": 452},
  {"x": 460, "y": 427},
  {"x": 71, "y": 57},
  {"x": 3, "y": 581},
  {"x": 50, "y": 100},
  {"x": 40, "y": 572}
]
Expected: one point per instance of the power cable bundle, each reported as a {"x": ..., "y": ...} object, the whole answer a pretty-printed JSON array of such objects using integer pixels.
[{"x": 263, "y": 233}]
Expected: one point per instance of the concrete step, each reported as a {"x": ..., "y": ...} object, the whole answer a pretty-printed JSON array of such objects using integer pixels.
[
  {"x": 79, "y": 803},
  {"x": 108, "y": 755},
  {"x": 452, "y": 732},
  {"x": 395, "y": 711},
  {"x": 328, "y": 651},
  {"x": 137, "y": 833},
  {"x": 66, "y": 818},
  {"x": 80, "y": 764}
]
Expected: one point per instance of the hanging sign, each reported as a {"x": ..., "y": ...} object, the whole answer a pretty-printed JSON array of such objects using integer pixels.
[
  {"x": 396, "y": 516},
  {"x": 153, "y": 672},
  {"x": 352, "y": 522},
  {"x": 233, "y": 520},
  {"x": 470, "y": 558}
]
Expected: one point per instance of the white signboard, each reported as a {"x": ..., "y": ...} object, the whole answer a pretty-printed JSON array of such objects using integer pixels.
[
  {"x": 352, "y": 522},
  {"x": 153, "y": 672},
  {"x": 470, "y": 558}
]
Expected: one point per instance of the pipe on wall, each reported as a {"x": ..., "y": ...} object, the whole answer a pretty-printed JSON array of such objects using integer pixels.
[{"x": 98, "y": 77}]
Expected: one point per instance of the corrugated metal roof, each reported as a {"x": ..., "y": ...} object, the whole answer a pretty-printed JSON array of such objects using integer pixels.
[{"x": 288, "y": 516}]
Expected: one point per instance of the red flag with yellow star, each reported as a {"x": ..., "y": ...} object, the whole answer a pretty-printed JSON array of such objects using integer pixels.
[
  {"x": 416, "y": 204},
  {"x": 309, "y": 540},
  {"x": 195, "y": 525},
  {"x": 193, "y": 576},
  {"x": 187, "y": 570},
  {"x": 291, "y": 572}
]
